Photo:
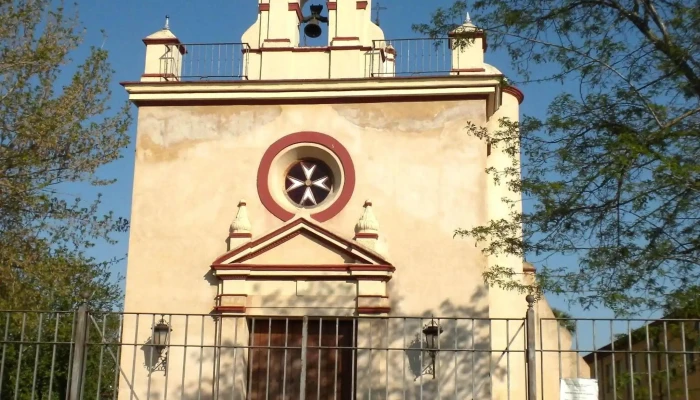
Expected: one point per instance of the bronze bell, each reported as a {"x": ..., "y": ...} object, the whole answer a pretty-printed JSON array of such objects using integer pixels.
[
  {"x": 313, "y": 22},
  {"x": 313, "y": 28}
]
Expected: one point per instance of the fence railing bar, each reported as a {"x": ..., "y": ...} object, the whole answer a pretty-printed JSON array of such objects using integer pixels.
[
  {"x": 36, "y": 354},
  {"x": 53, "y": 356},
  {"x": 19, "y": 355},
  {"x": 668, "y": 364}
]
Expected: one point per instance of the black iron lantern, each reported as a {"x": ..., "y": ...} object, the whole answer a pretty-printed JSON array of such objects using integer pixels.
[
  {"x": 161, "y": 332},
  {"x": 432, "y": 333}
]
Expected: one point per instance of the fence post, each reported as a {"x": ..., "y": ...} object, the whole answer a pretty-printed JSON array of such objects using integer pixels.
[
  {"x": 304, "y": 340},
  {"x": 531, "y": 355},
  {"x": 80, "y": 343}
]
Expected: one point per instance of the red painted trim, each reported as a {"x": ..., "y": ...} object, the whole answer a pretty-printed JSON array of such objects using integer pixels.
[
  {"x": 316, "y": 80},
  {"x": 327, "y": 100},
  {"x": 304, "y": 268},
  {"x": 469, "y": 70},
  {"x": 332, "y": 6},
  {"x": 512, "y": 90},
  {"x": 231, "y": 295},
  {"x": 233, "y": 309},
  {"x": 366, "y": 236},
  {"x": 264, "y": 7},
  {"x": 373, "y": 310},
  {"x": 361, "y": 5},
  {"x": 240, "y": 235},
  {"x": 345, "y": 38},
  {"x": 297, "y": 8},
  {"x": 277, "y": 41},
  {"x": 373, "y": 296},
  {"x": 166, "y": 41},
  {"x": 319, "y": 49},
  {"x": 381, "y": 278},
  {"x": 291, "y": 225},
  {"x": 332, "y": 145}
]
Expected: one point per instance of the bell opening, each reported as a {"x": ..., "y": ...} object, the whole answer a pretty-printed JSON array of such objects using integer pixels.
[{"x": 313, "y": 33}]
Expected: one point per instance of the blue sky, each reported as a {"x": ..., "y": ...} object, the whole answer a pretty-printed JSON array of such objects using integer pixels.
[{"x": 126, "y": 22}]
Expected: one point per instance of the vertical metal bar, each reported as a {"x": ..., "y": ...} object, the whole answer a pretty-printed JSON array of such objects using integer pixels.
[
  {"x": 150, "y": 358},
  {"x": 83, "y": 379},
  {"x": 558, "y": 322},
  {"x": 335, "y": 373},
  {"x": 218, "y": 350},
  {"x": 78, "y": 364},
  {"x": 403, "y": 361},
  {"x": 53, "y": 356},
  {"x": 668, "y": 363},
  {"x": 251, "y": 353},
  {"x": 19, "y": 355},
  {"x": 36, "y": 353},
  {"x": 630, "y": 359},
  {"x": 284, "y": 365},
  {"x": 117, "y": 367},
  {"x": 576, "y": 331},
  {"x": 184, "y": 357},
  {"x": 685, "y": 361},
  {"x": 102, "y": 352},
  {"x": 165, "y": 392},
  {"x": 422, "y": 361},
  {"x": 454, "y": 353},
  {"x": 595, "y": 354},
  {"x": 320, "y": 335},
  {"x": 133, "y": 361},
  {"x": 473, "y": 363},
  {"x": 386, "y": 367},
  {"x": 235, "y": 353},
  {"x": 648, "y": 358},
  {"x": 269, "y": 343},
  {"x": 612, "y": 358},
  {"x": 354, "y": 354},
  {"x": 4, "y": 348},
  {"x": 304, "y": 338},
  {"x": 531, "y": 364},
  {"x": 436, "y": 360},
  {"x": 507, "y": 357},
  {"x": 541, "y": 354},
  {"x": 201, "y": 359},
  {"x": 371, "y": 337}
]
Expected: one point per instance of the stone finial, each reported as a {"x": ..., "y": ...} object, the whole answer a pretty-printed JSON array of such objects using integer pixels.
[
  {"x": 167, "y": 22},
  {"x": 468, "y": 20},
  {"x": 241, "y": 224},
  {"x": 367, "y": 224}
]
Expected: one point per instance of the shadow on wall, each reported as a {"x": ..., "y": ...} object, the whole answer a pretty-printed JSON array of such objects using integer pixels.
[{"x": 389, "y": 359}]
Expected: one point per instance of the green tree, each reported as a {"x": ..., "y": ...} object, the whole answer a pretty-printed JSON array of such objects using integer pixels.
[
  {"x": 565, "y": 319},
  {"x": 56, "y": 131},
  {"x": 611, "y": 172}
]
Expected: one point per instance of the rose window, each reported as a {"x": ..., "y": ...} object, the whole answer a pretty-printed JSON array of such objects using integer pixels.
[{"x": 308, "y": 182}]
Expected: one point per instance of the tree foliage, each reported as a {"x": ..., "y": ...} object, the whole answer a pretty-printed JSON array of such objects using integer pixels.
[
  {"x": 610, "y": 175},
  {"x": 56, "y": 131}
]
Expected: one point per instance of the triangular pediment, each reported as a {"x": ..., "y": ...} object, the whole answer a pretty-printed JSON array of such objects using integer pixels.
[{"x": 301, "y": 242}]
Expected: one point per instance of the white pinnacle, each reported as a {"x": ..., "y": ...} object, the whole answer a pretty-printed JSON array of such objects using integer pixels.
[
  {"x": 469, "y": 19},
  {"x": 368, "y": 222},
  {"x": 241, "y": 224},
  {"x": 167, "y": 23}
]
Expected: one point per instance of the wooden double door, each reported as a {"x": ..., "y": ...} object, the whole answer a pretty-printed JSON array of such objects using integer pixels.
[{"x": 276, "y": 364}]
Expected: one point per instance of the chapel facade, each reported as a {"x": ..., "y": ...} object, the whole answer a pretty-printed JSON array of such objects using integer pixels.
[{"x": 285, "y": 194}]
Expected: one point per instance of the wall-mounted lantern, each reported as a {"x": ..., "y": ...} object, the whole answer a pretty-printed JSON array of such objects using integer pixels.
[
  {"x": 160, "y": 339},
  {"x": 432, "y": 333}
]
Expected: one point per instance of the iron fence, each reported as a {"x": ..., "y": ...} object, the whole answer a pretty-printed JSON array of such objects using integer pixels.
[
  {"x": 93, "y": 355},
  {"x": 415, "y": 57},
  {"x": 205, "y": 61}
]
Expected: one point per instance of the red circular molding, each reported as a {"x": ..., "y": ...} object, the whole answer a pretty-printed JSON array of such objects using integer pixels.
[{"x": 321, "y": 139}]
